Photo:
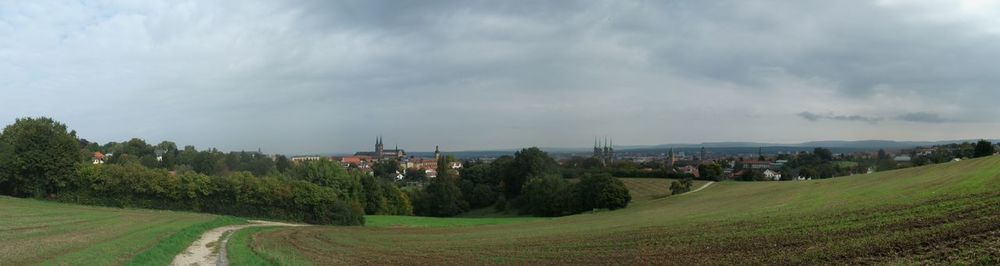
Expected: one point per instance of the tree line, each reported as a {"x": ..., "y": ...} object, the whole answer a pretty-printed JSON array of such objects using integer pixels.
[
  {"x": 41, "y": 158},
  {"x": 530, "y": 182}
]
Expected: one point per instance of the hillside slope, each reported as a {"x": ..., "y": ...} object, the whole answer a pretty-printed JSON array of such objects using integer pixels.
[
  {"x": 39, "y": 232},
  {"x": 941, "y": 213}
]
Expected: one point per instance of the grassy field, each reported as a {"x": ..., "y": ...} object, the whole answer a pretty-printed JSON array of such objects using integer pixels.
[
  {"x": 646, "y": 189},
  {"x": 947, "y": 213},
  {"x": 39, "y": 232}
]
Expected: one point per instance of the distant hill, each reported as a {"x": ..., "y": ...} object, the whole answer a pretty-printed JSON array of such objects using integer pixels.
[{"x": 837, "y": 146}]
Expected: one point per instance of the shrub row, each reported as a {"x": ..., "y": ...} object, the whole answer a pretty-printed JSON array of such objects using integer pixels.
[{"x": 238, "y": 194}]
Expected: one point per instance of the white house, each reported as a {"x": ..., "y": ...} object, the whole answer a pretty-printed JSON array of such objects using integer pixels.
[{"x": 772, "y": 175}]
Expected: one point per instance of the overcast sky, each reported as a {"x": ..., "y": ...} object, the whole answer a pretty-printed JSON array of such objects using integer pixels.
[{"x": 328, "y": 76}]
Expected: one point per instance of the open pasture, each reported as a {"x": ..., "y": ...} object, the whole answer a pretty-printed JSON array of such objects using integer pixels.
[{"x": 947, "y": 213}]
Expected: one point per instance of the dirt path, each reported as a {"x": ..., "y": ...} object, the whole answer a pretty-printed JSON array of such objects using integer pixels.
[
  {"x": 702, "y": 187},
  {"x": 207, "y": 249}
]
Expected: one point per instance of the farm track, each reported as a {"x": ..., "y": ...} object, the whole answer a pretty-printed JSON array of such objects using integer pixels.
[
  {"x": 210, "y": 249},
  {"x": 702, "y": 187}
]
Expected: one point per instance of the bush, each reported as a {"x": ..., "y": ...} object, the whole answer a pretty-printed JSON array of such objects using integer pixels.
[
  {"x": 600, "y": 191},
  {"x": 681, "y": 186}
]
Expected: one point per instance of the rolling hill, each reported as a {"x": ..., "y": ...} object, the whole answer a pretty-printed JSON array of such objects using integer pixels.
[
  {"x": 946, "y": 213},
  {"x": 39, "y": 232}
]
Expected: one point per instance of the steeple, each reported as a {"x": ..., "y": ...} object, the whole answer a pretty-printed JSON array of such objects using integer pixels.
[
  {"x": 379, "y": 148},
  {"x": 437, "y": 153},
  {"x": 672, "y": 159},
  {"x": 611, "y": 150}
]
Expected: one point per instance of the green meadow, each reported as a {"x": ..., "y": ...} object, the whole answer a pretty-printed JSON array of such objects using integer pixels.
[
  {"x": 940, "y": 214},
  {"x": 39, "y": 232},
  {"x": 947, "y": 213}
]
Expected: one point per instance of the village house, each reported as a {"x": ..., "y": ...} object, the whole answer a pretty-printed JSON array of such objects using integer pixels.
[
  {"x": 689, "y": 169},
  {"x": 772, "y": 175},
  {"x": 361, "y": 162},
  {"x": 98, "y": 158}
]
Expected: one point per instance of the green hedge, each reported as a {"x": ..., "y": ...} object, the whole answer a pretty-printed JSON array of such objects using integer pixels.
[{"x": 238, "y": 194}]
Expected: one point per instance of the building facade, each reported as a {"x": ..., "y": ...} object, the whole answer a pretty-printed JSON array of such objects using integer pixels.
[{"x": 381, "y": 153}]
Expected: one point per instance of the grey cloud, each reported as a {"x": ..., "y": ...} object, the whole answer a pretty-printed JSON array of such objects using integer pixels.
[
  {"x": 243, "y": 74},
  {"x": 922, "y": 117},
  {"x": 917, "y": 117},
  {"x": 830, "y": 116}
]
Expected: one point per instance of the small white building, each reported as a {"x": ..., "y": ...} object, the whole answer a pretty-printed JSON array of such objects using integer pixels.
[
  {"x": 772, "y": 175},
  {"x": 306, "y": 158}
]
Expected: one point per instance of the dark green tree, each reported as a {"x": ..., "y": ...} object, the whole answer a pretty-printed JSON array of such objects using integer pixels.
[
  {"x": 41, "y": 155},
  {"x": 527, "y": 164},
  {"x": 711, "y": 171},
  {"x": 282, "y": 164},
  {"x": 386, "y": 169},
  {"x": 984, "y": 148},
  {"x": 444, "y": 198},
  {"x": 600, "y": 191},
  {"x": 546, "y": 196},
  {"x": 823, "y": 154},
  {"x": 374, "y": 202},
  {"x": 416, "y": 175},
  {"x": 444, "y": 170}
]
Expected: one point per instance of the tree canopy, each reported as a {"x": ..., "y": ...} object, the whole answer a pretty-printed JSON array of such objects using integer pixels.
[{"x": 40, "y": 154}]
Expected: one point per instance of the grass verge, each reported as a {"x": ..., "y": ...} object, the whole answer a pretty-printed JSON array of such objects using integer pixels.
[
  {"x": 241, "y": 250},
  {"x": 165, "y": 251}
]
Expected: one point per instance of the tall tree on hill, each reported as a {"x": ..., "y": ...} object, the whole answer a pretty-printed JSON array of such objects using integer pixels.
[
  {"x": 527, "y": 164},
  {"x": 444, "y": 168},
  {"x": 984, "y": 148},
  {"x": 823, "y": 154},
  {"x": 281, "y": 163},
  {"x": 41, "y": 155}
]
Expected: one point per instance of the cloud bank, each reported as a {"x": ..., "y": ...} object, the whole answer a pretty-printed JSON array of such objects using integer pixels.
[{"x": 320, "y": 76}]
